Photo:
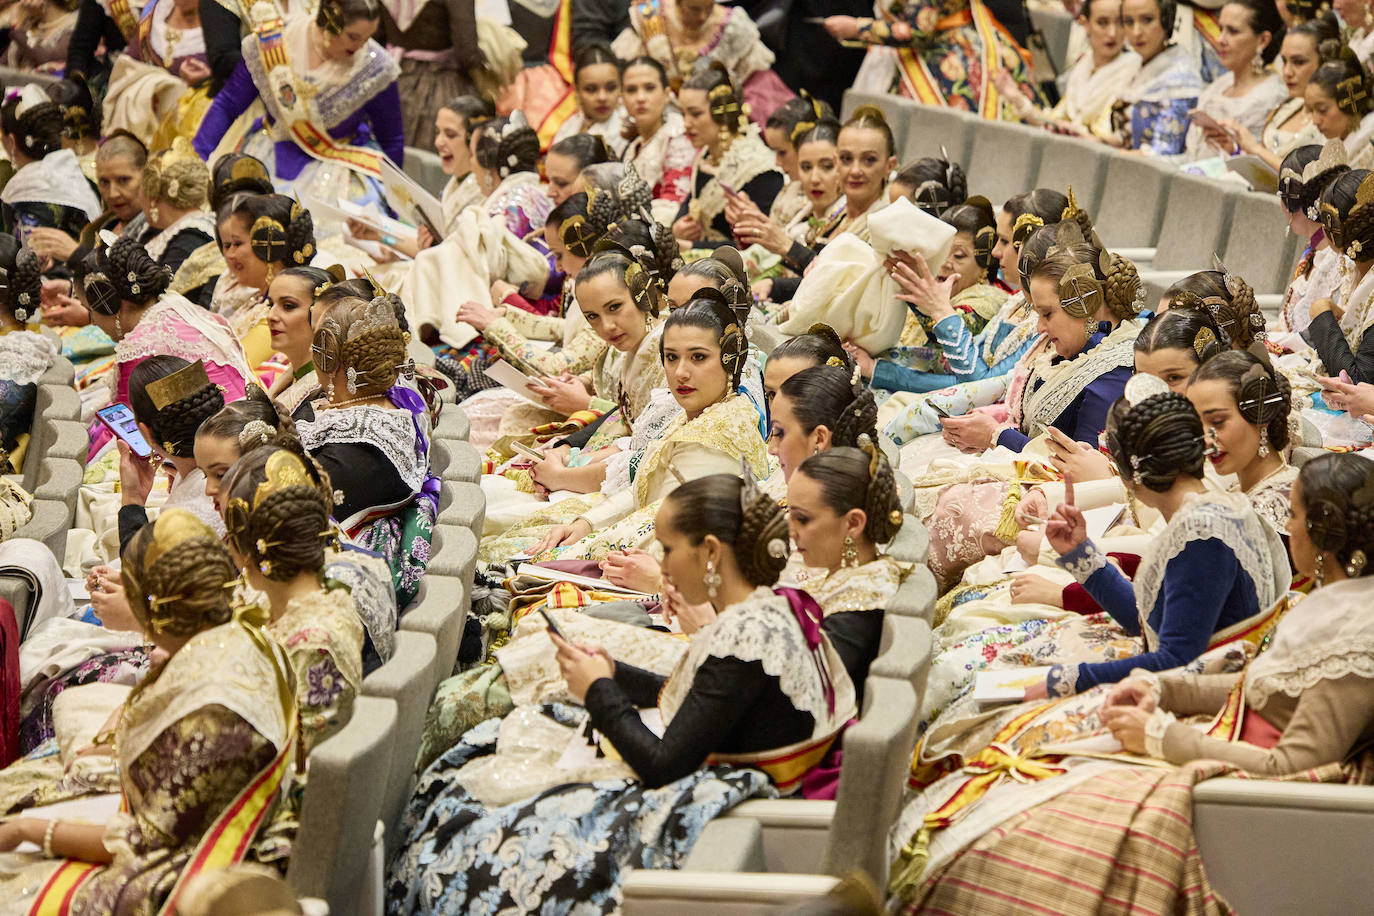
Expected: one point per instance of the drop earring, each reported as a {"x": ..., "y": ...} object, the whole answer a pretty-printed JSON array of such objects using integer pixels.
[
  {"x": 1088, "y": 327},
  {"x": 1320, "y": 575},
  {"x": 712, "y": 580},
  {"x": 849, "y": 556},
  {"x": 1264, "y": 442},
  {"x": 119, "y": 330}
]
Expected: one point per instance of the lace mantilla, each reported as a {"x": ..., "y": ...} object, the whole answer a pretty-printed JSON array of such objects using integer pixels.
[
  {"x": 392, "y": 432},
  {"x": 25, "y": 356},
  {"x": 163, "y": 328},
  {"x": 1270, "y": 497},
  {"x": 652, "y": 423},
  {"x": 1064, "y": 381},
  {"x": 1226, "y": 517},
  {"x": 1327, "y": 635},
  {"x": 860, "y": 588},
  {"x": 762, "y": 629}
]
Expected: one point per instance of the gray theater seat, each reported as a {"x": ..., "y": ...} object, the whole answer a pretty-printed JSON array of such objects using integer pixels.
[{"x": 1005, "y": 159}]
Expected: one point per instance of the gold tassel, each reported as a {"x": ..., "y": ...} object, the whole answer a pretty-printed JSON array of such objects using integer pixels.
[
  {"x": 915, "y": 855},
  {"x": 1007, "y": 529}
]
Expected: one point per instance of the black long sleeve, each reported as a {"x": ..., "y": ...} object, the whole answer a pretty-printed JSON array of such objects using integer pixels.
[
  {"x": 733, "y": 706},
  {"x": 784, "y": 288},
  {"x": 223, "y": 42},
  {"x": 1324, "y": 333},
  {"x": 181, "y": 247},
  {"x": 856, "y": 636},
  {"x": 92, "y": 25},
  {"x": 132, "y": 519},
  {"x": 640, "y": 686},
  {"x": 584, "y": 435}
]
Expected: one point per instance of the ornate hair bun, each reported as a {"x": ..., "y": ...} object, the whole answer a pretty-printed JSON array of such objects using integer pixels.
[
  {"x": 1143, "y": 386},
  {"x": 178, "y": 386}
]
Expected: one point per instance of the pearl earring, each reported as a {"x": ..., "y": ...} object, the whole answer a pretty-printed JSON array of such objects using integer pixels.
[
  {"x": 849, "y": 557},
  {"x": 712, "y": 580}
]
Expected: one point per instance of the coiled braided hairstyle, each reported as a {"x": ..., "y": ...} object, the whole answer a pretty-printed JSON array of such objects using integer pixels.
[
  {"x": 798, "y": 116},
  {"x": 1115, "y": 278},
  {"x": 175, "y": 573},
  {"x": 174, "y": 426},
  {"x": 755, "y": 533},
  {"x": 1190, "y": 329},
  {"x": 828, "y": 396},
  {"x": 858, "y": 478},
  {"x": 1297, "y": 195},
  {"x": 1263, "y": 395},
  {"x": 713, "y": 313},
  {"x": 975, "y": 217},
  {"x": 177, "y": 176},
  {"x": 38, "y": 131},
  {"x": 237, "y": 173},
  {"x": 80, "y": 114},
  {"x": 820, "y": 345},
  {"x": 21, "y": 279},
  {"x": 123, "y": 272},
  {"x": 507, "y": 145},
  {"x": 723, "y": 101},
  {"x": 1156, "y": 441},
  {"x": 1347, "y": 212},
  {"x": 1337, "y": 493},
  {"x": 365, "y": 338},
  {"x": 1236, "y": 314},
  {"x": 936, "y": 184},
  {"x": 280, "y": 231},
  {"x": 252, "y": 421},
  {"x": 283, "y": 529}
]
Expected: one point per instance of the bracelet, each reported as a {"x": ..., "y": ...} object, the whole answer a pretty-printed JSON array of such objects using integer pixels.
[
  {"x": 47, "y": 839},
  {"x": 389, "y": 240}
]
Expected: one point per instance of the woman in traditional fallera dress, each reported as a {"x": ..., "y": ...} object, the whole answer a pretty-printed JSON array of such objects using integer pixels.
[
  {"x": 660, "y": 152},
  {"x": 202, "y": 757},
  {"x": 759, "y": 689},
  {"x": 25, "y": 351},
  {"x": 330, "y": 93},
  {"x": 48, "y": 187},
  {"x": 1153, "y": 109}
]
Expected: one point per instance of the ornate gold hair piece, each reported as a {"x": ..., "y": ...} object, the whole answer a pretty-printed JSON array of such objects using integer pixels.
[
  {"x": 1071, "y": 211},
  {"x": 578, "y": 237},
  {"x": 1202, "y": 340},
  {"x": 173, "y": 526},
  {"x": 283, "y": 469},
  {"x": 179, "y": 385},
  {"x": 248, "y": 169},
  {"x": 1080, "y": 292}
]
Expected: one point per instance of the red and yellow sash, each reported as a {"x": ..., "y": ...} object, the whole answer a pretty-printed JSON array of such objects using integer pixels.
[
  {"x": 785, "y": 766},
  {"x": 269, "y": 32},
  {"x": 560, "y": 56},
  {"x": 922, "y": 86}
]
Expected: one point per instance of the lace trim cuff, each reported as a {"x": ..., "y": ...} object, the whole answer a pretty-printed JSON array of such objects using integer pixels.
[
  {"x": 1155, "y": 728},
  {"x": 1082, "y": 562},
  {"x": 1151, "y": 678}
]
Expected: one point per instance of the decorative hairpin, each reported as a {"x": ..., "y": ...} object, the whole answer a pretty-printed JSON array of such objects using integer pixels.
[
  {"x": 1142, "y": 386},
  {"x": 178, "y": 386}
]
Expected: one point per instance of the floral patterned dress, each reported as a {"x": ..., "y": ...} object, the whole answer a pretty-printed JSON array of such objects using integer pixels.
[{"x": 954, "y": 49}]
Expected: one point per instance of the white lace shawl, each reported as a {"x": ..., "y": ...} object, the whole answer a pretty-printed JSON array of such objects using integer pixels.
[
  {"x": 197, "y": 219},
  {"x": 392, "y": 432},
  {"x": 1358, "y": 302},
  {"x": 1325, "y": 636},
  {"x": 55, "y": 179},
  {"x": 1089, "y": 92},
  {"x": 1227, "y": 517},
  {"x": 859, "y": 588},
  {"x": 1064, "y": 381},
  {"x": 762, "y": 629},
  {"x": 25, "y": 356},
  {"x": 650, "y": 159}
]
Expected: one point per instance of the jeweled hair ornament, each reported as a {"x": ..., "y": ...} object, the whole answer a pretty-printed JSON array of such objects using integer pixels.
[
  {"x": 774, "y": 538},
  {"x": 1143, "y": 386},
  {"x": 283, "y": 469},
  {"x": 1080, "y": 292},
  {"x": 254, "y": 434}
]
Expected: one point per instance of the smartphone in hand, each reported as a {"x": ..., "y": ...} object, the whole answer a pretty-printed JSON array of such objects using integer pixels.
[{"x": 120, "y": 420}]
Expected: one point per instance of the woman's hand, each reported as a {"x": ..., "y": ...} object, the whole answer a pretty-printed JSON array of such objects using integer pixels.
[
  {"x": 549, "y": 472},
  {"x": 921, "y": 288},
  {"x": 842, "y": 28},
  {"x": 52, "y": 243},
  {"x": 562, "y": 535},
  {"x": 1077, "y": 459},
  {"x": 565, "y": 395},
  {"x": 362, "y": 231},
  {"x": 971, "y": 433},
  {"x": 1029, "y": 588},
  {"x": 1128, "y": 726},
  {"x": 61, "y": 308},
  {"x": 477, "y": 314},
  {"x": 500, "y": 289},
  {"x": 632, "y": 568},
  {"x": 1133, "y": 691},
  {"x": 1033, "y": 509},
  {"x": 424, "y": 238},
  {"x": 193, "y": 71},
  {"x": 1036, "y": 692},
  {"x": 136, "y": 476},
  {"x": 111, "y": 606},
  {"x": 1325, "y": 305},
  {"x": 687, "y": 229},
  {"x": 862, "y": 358},
  {"x": 582, "y": 665},
  {"x": 1066, "y": 528},
  {"x": 762, "y": 290},
  {"x": 16, "y": 831},
  {"x": 1343, "y": 394},
  {"x": 690, "y": 617},
  {"x": 760, "y": 230},
  {"x": 1240, "y": 136}
]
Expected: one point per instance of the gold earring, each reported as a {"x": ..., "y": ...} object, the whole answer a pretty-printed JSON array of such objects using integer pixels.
[{"x": 849, "y": 557}]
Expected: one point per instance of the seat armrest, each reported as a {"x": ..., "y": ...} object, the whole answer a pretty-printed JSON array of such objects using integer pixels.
[
  {"x": 728, "y": 844},
  {"x": 660, "y": 892}
]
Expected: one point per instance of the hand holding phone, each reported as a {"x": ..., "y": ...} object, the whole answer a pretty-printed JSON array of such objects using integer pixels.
[
  {"x": 553, "y": 627},
  {"x": 521, "y": 448},
  {"x": 119, "y": 418}
]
